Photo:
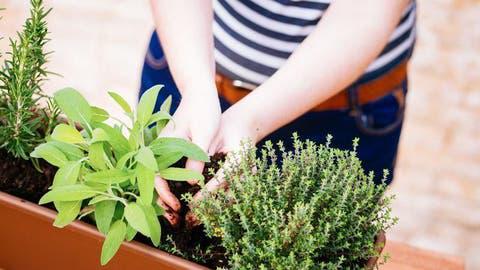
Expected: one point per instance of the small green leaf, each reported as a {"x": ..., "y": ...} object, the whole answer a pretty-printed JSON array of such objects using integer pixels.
[
  {"x": 103, "y": 215},
  {"x": 96, "y": 156},
  {"x": 153, "y": 223},
  {"x": 164, "y": 146},
  {"x": 71, "y": 151},
  {"x": 122, "y": 102},
  {"x": 131, "y": 232},
  {"x": 113, "y": 241},
  {"x": 159, "y": 116},
  {"x": 167, "y": 160},
  {"x": 69, "y": 193},
  {"x": 145, "y": 179},
  {"x": 122, "y": 163},
  {"x": 67, "y": 174},
  {"x": 99, "y": 198},
  {"x": 99, "y": 114},
  {"x": 180, "y": 174},
  {"x": 67, "y": 212},
  {"x": 67, "y": 134},
  {"x": 99, "y": 135},
  {"x": 136, "y": 218},
  {"x": 134, "y": 137},
  {"x": 166, "y": 105},
  {"x": 74, "y": 105},
  {"x": 146, "y": 158},
  {"x": 112, "y": 176},
  {"x": 147, "y": 104},
  {"x": 51, "y": 154},
  {"x": 116, "y": 139}
]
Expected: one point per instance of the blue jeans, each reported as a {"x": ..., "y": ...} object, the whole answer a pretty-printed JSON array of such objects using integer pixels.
[{"x": 377, "y": 124}]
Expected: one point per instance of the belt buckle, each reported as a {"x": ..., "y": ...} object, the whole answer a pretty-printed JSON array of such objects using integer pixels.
[{"x": 244, "y": 85}]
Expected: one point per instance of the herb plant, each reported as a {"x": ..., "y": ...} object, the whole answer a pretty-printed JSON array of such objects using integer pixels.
[
  {"x": 108, "y": 170},
  {"x": 318, "y": 210},
  {"x": 22, "y": 124}
]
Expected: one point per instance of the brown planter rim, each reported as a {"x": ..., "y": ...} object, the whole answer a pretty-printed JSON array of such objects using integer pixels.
[{"x": 30, "y": 216}]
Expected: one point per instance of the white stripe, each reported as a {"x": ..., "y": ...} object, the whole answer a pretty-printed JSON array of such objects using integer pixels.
[
  {"x": 290, "y": 11},
  {"x": 273, "y": 25},
  {"x": 241, "y": 71},
  {"x": 246, "y": 51},
  {"x": 252, "y": 35},
  {"x": 388, "y": 57},
  {"x": 404, "y": 27}
]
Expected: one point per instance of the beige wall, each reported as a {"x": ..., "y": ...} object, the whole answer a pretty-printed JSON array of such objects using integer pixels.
[{"x": 99, "y": 46}]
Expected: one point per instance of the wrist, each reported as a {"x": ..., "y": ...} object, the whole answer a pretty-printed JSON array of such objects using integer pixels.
[{"x": 247, "y": 121}]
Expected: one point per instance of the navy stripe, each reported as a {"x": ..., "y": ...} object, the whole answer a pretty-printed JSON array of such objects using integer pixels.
[
  {"x": 258, "y": 28},
  {"x": 304, "y": 4},
  {"x": 250, "y": 43},
  {"x": 242, "y": 61},
  {"x": 372, "y": 75},
  {"x": 396, "y": 42},
  {"x": 277, "y": 17}
]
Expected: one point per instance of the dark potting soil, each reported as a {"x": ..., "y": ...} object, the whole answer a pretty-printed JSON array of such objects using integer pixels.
[
  {"x": 20, "y": 178},
  {"x": 193, "y": 243}
]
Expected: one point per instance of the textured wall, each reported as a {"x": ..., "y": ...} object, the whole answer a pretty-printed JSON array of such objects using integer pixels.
[{"x": 99, "y": 46}]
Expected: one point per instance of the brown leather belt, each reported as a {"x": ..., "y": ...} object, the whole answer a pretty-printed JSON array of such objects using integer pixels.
[{"x": 367, "y": 92}]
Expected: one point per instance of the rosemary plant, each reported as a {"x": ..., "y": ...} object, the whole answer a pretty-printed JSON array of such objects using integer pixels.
[
  {"x": 318, "y": 210},
  {"x": 23, "y": 124}
]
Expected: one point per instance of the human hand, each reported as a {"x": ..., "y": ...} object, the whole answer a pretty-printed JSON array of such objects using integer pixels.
[
  {"x": 235, "y": 129},
  {"x": 196, "y": 119}
]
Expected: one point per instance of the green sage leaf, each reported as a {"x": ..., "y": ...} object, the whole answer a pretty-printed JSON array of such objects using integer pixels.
[
  {"x": 69, "y": 193},
  {"x": 131, "y": 232},
  {"x": 168, "y": 159},
  {"x": 71, "y": 151},
  {"x": 99, "y": 114},
  {"x": 180, "y": 174},
  {"x": 120, "y": 101},
  {"x": 136, "y": 218},
  {"x": 146, "y": 158},
  {"x": 153, "y": 223},
  {"x": 165, "y": 145},
  {"x": 50, "y": 153},
  {"x": 112, "y": 176},
  {"x": 103, "y": 215},
  {"x": 147, "y": 104},
  {"x": 67, "y": 174},
  {"x": 74, "y": 105},
  {"x": 96, "y": 156},
  {"x": 67, "y": 134},
  {"x": 67, "y": 212},
  {"x": 145, "y": 179},
  {"x": 113, "y": 241}
]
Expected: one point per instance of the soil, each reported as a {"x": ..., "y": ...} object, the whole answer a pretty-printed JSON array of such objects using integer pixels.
[
  {"x": 20, "y": 178},
  {"x": 193, "y": 242}
]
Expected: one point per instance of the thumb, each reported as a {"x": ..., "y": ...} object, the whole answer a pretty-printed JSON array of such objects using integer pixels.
[{"x": 196, "y": 165}]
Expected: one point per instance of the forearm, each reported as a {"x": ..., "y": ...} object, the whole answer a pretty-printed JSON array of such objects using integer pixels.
[
  {"x": 350, "y": 36},
  {"x": 185, "y": 30}
]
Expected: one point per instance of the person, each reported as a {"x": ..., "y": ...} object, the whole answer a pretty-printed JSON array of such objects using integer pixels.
[{"x": 263, "y": 69}]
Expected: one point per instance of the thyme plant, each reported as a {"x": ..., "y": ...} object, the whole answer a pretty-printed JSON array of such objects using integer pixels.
[
  {"x": 22, "y": 124},
  {"x": 318, "y": 210},
  {"x": 108, "y": 170}
]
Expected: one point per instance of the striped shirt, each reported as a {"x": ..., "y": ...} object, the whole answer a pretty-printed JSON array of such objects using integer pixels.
[{"x": 254, "y": 38}]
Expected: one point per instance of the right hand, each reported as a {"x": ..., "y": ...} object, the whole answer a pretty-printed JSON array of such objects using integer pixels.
[{"x": 196, "y": 119}]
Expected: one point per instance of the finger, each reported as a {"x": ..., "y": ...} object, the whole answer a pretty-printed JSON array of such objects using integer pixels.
[
  {"x": 194, "y": 165},
  {"x": 164, "y": 194},
  {"x": 217, "y": 182},
  {"x": 169, "y": 214}
]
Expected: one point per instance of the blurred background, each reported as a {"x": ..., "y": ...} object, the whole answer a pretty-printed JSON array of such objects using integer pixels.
[{"x": 100, "y": 45}]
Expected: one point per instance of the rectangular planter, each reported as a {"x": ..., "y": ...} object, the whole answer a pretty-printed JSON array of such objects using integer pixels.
[{"x": 28, "y": 241}]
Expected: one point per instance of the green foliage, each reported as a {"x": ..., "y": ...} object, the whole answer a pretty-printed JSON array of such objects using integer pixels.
[
  {"x": 111, "y": 168},
  {"x": 318, "y": 210},
  {"x": 22, "y": 124}
]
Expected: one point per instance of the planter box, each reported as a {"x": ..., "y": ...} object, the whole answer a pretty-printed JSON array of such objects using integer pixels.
[{"x": 28, "y": 241}]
